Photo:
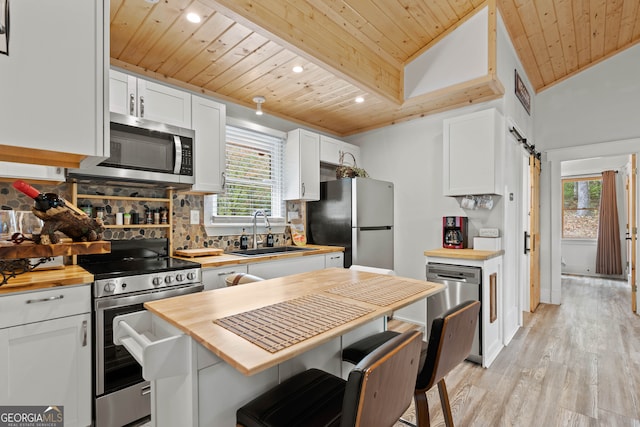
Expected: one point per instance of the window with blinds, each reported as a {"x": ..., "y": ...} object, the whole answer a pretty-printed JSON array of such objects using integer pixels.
[{"x": 254, "y": 174}]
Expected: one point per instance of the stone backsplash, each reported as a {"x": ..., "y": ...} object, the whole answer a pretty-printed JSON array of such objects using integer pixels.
[{"x": 184, "y": 234}]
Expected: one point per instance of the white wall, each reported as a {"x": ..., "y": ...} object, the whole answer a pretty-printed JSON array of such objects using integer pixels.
[
  {"x": 593, "y": 113},
  {"x": 410, "y": 155},
  {"x": 598, "y": 105},
  {"x": 438, "y": 68}
]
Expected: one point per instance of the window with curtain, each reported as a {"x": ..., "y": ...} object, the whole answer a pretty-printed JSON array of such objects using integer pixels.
[
  {"x": 581, "y": 207},
  {"x": 254, "y": 175}
]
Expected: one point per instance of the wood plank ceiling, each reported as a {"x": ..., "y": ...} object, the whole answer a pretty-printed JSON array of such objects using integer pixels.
[{"x": 351, "y": 48}]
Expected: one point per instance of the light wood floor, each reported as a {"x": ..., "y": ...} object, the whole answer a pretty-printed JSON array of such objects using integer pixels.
[{"x": 574, "y": 364}]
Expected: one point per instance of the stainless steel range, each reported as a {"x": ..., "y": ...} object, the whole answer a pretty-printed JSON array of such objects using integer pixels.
[{"x": 136, "y": 271}]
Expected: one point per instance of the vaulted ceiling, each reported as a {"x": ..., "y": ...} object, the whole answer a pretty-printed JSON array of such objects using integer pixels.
[{"x": 350, "y": 48}]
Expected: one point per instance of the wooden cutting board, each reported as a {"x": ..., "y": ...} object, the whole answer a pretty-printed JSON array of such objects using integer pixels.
[
  {"x": 199, "y": 252},
  {"x": 27, "y": 249}
]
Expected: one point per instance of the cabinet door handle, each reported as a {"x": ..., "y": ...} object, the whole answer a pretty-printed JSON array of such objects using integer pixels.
[
  {"x": 303, "y": 189},
  {"x": 84, "y": 333},
  {"x": 224, "y": 180},
  {"x": 225, "y": 273},
  {"x": 142, "y": 106},
  {"x": 132, "y": 104},
  {"x": 33, "y": 301},
  {"x": 526, "y": 243}
]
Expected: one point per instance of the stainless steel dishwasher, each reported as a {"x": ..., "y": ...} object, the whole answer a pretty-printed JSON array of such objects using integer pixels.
[{"x": 462, "y": 283}]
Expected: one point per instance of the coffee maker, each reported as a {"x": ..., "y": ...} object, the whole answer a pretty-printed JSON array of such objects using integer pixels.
[{"x": 454, "y": 232}]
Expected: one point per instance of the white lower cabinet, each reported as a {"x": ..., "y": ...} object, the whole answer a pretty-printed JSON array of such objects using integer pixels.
[
  {"x": 286, "y": 267},
  {"x": 45, "y": 351},
  {"x": 214, "y": 278},
  {"x": 334, "y": 259}
]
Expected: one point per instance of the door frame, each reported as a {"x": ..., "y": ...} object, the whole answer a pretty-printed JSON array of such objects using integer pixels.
[
  {"x": 550, "y": 220},
  {"x": 534, "y": 232},
  {"x": 632, "y": 230},
  {"x": 525, "y": 225}
]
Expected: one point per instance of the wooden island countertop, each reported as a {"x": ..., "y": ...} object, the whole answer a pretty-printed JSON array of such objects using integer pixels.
[{"x": 195, "y": 314}]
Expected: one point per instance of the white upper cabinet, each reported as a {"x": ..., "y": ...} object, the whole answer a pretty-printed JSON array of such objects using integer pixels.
[
  {"x": 149, "y": 100},
  {"x": 473, "y": 154},
  {"x": 31, "y": 172},
  {"x": 52, "y": 82},
  {"x": 208, "y": 120},
  {"x": 331, "y": 149},
  {"x": 302, "y": 166}
]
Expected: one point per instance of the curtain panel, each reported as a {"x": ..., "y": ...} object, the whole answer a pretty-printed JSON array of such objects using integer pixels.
[{"x": 608, "y": 257}]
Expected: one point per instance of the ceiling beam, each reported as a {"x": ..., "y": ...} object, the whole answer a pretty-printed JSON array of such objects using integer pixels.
[{"x": 318, "y": 39}]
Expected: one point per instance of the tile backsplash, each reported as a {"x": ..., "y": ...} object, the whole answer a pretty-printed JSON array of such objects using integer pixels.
[{"x": 185, "y": 235}]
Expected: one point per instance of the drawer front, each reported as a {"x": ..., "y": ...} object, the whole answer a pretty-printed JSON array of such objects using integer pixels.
[
  {"x": 214, "y": 278},
  {"x": 29, "y": 307}
]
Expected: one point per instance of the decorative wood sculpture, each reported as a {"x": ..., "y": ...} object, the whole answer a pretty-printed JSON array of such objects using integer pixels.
[{"x": 75, "y": 224}]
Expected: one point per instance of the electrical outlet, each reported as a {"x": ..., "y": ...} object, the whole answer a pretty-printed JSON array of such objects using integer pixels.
[{"x": 195, "y": 216}]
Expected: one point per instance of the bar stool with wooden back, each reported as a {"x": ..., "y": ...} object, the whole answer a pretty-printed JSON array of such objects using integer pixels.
[
  {"x": 449, "y": 344},
  {"x": 377, "y": 392}
]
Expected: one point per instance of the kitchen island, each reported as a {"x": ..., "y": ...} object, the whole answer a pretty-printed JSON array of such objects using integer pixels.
[{"x": 202, "y": 369}]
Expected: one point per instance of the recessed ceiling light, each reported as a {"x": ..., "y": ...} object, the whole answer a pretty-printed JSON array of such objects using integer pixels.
[
  {"x": 359, "y": 99},
  {"x": 152, "y": 1},
  {"x": 298, "y": 69},
  {"x": 193, "y": 17}
]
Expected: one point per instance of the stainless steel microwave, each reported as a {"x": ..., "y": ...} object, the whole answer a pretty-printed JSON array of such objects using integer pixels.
[{"x": 147, "y": 152}]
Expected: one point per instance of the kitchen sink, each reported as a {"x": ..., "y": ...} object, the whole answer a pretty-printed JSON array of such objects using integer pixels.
[{"x": 270, "y": 251}]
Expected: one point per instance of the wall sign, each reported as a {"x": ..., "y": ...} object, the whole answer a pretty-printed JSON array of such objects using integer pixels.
[
  {"x": 4, "y": 27},
  {"x": 523, "y": 94}
]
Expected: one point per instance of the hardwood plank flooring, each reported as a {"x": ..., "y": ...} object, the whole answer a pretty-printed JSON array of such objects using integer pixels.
[{"x": 574, "y": 364}]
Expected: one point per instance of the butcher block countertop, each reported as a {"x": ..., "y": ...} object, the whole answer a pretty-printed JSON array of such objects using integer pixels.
[
  {"x": 196, "y": 314},
  {"x": 230, "y": 259},
  {"x": 470, "y": 254},
  {"x": 42, "y": 279}
]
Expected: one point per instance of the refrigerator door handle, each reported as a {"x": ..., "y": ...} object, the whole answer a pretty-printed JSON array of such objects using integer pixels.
[{"x": 382, "y": 227}]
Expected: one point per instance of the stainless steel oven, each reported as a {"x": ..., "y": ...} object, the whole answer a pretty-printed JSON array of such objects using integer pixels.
[
  {"x": 133, "y": 273},
  {"x": 122, "y": 396}
]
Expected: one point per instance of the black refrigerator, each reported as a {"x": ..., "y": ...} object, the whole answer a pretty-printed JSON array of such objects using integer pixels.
[{"x": 356, "y": 213}]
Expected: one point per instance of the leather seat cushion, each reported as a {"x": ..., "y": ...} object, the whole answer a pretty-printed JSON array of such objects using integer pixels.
[
  {"x": 312, "y": 398},
  {"x": 359, "y": 349}
]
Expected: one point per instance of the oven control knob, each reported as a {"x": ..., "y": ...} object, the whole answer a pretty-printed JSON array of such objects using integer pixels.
[
  {"x": 180, "y": 277},
  {"x": 168, "y": 279},
  {"x": 191, "y": 276},
  {"x": 157, "y": 281},
  {"x": 109, "y": 287}
]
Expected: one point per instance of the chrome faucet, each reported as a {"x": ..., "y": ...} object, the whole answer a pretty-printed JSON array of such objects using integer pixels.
[{"x": 255, "y": 226}]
